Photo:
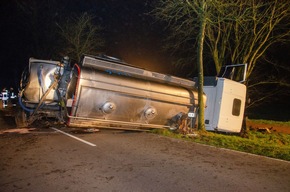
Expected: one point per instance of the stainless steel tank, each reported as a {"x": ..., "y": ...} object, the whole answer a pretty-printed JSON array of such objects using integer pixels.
[{"x": 107, "y": 93}]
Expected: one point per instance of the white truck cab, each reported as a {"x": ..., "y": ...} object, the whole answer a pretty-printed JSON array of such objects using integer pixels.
[{"x": 226, "y": 96}]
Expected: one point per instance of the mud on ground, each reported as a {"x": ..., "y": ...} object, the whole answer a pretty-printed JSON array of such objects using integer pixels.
[{"x": 272, "y": 128}]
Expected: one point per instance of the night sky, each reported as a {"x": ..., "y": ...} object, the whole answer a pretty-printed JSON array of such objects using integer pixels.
[{"x": 129, "y": 32}]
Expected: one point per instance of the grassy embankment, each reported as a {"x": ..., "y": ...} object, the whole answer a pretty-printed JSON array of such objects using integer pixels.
[{"x": 275, "y": 145}]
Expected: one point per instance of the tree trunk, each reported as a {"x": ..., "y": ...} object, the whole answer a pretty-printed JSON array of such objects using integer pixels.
[{"x": 201, "y": 103}]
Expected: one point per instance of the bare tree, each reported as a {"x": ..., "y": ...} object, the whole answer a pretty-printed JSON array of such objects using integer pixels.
[
  {"x": 200, "y": 8},
  {"x": 270, "y": 81},
  {"x": 186, "y": 17},
  {"x": 244, "y": 34},
  {"x": 238, "y": 31},
  {"x": 81, "y": 36},
  {"x": 244, "y": 30}
]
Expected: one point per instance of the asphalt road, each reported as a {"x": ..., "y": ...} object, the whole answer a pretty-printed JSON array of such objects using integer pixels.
[{"x": 46, "y": 160}]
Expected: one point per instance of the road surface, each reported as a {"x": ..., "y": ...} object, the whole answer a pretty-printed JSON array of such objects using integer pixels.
[{"x": 47, "y": 160}]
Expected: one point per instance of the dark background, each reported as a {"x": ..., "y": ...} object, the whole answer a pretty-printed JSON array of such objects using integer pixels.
[{"x": 130, "y": 33}]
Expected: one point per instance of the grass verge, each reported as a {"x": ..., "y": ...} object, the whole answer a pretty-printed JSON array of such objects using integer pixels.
[{"x": 275, "y": 145}]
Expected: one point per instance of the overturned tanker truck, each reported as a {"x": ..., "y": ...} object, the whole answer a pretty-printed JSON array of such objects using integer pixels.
[{"x": 105, "y": 92}]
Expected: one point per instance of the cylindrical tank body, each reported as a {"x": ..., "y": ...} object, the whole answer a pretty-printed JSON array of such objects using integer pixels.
[{"x": 109, "y": 94}]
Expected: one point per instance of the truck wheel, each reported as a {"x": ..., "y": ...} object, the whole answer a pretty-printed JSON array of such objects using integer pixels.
[{"x": 20, "y": 119}]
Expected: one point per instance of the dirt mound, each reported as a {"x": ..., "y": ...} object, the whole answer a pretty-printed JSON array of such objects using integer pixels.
[{"x": 271, "y": 127}]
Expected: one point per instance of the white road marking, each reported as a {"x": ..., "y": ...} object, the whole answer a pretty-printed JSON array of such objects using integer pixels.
[{"x": 86, "y": 142}]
